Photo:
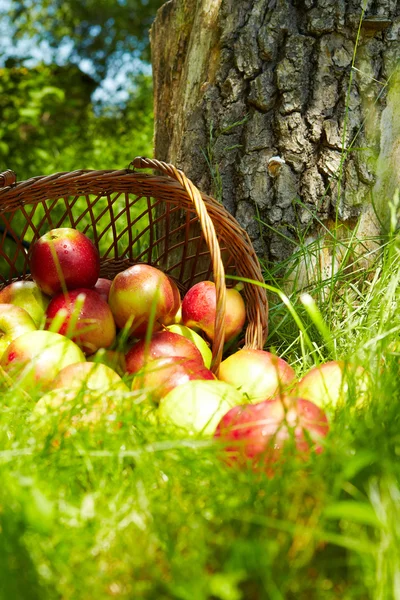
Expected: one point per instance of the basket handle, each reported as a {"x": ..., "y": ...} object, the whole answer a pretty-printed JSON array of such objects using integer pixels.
[
  {"x": 7, "y": 178},
  {"x": 212, "y": 242}
]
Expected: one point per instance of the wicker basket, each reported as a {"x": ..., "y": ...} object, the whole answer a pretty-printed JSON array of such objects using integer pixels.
[{"x": 162, "y": 220}]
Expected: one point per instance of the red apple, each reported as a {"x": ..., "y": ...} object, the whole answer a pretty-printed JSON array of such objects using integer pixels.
[
  {"x": 161, "y": 375},
  {"x": 28, "y": 296},
  {"x": 86, "y": 319},
  {"x": 102, "y": 287},
  {"x": 163, "y": 344},
  {"x": 330, "y": 384},
  {"x": 33, "y": 359},
  {"x": 257, "y": 373},
  {"x": 63, "y": 259},
  {"x": 140, "y": 293},
  {"x": 259, "y": 433},
  {"x": 199, "y": 308}
]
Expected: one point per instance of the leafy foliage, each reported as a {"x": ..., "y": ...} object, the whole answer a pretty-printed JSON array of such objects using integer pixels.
[
  {"x": 99, "y": 30},
  {"x": 49, "y": 123}
]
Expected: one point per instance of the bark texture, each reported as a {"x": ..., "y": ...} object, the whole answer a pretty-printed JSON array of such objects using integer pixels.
[{"x": 240, "y": 82}]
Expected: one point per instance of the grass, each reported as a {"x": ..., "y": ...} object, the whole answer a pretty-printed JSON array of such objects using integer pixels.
[{"x": 130, "y": 511}]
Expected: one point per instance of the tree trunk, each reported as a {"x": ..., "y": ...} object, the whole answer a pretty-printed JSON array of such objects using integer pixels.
[{"x": 285, "y": 110}]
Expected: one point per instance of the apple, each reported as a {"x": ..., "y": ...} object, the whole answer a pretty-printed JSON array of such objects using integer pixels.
[
  {"x": 86, "y": 318},
  {"x": 89, "y": 376},
  {"x": 194, "y": 337},
  {"x": 60, "y": 413},
  {"x": 33, "y": 359},
  {"x": 102, "y": 287},
  {"x": 114, "y": 359},
  {"x": 162, "y": 344},
  {"x": 199, "y": 309},
  {"x": 27, "y": 295},
  {"x": 14, "y": 321},
  {"x": 64, "y": 259},
  {"x": 196, "y": 407},
  {"x": 141, "y": 293},
  {"x": 330, "y": 384},
  {"x": 161, "y": 375},
  {"x": 260, "y": 433},
  {"x": 257, "y": 373}
]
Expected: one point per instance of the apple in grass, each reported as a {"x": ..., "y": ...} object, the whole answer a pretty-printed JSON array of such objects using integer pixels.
[
  {"x": 199, "y": 310},
  {"x": 33, "y": 359},
  {"x": 28, "y": 296},
  {"x": 141, "y": 295},
  {"x": 196, "y": 407},
  {"x": 89, "y": 376},
  {"x": 161, "y": 375},
  {"x": 161, "y": 345},
  {"x": 261, "y": 434},
  {"x": 333, "y": 382},
  {"x": 84, "y": 316},
  {"x": 115, "y": 359},
  {"x": 14, "y": 321},
  {"x": 64, "y": 259},
  {"x": 257, "y": 373}
]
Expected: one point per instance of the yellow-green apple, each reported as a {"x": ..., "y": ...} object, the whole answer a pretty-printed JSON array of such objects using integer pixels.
[
  {"x": 27, "y": 295},
  {"x": 162, "y": 344},
  {"x": 199, "y": 309},
  {"x": 62, "y": 412},
  {"x": 196, "y": 407},
  {"x": 14, "y": 321},
  {"x": 33, "y": 359},
  {"x": 259, "y": 434},
  {"x": 102, "y": 287},
  {"x": 86, "y": 319},
  {"x": 333, "y": 382},
  {"x": 89, "y": 376},
  {"x": 161, "y": 375},
  {"x": 142, "y": 294},
  {"x": 194, "y": 337},
  {"x": 257, "y": 373},
  {"x": 64, "y": 258},
  {"x": 115, "y": 359}
]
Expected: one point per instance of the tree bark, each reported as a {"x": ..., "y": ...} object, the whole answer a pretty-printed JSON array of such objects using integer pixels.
[{"x": 285, "y": 110}]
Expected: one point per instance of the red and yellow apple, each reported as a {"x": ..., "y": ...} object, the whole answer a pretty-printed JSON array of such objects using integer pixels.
[
  {"x": 14, "y": 321},
  {"x": 257, "y": 373},
  {"x": 194, "y": 337},
  {"x": 89, "y": 376},
  {"x": 33, "y": 359},
  {"x": 140, "y": 294},
  {"x": 163, "y": 344},
  {"x": 199, "y": 310},
  {"x": 330, "y": 384},
  {"x": 161, "y": 375},
  {"x": 258, "y": 434},
  {"x": 86, "y": 319},
  {"x": 28, "y": 296},
  {"x": 64, "y": 259},
  {"x": 103, "y": 287}
]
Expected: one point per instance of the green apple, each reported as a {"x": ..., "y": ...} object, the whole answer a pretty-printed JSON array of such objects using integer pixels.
[
  {"x": 29, "y": 296},
  {"x": 196, "y": 339},
  {"x": 14, "y": 321},
  {"x": 92, "y": 376},
  {"x": 196, "y": 407},
  {"x": 33, "y": 359}
]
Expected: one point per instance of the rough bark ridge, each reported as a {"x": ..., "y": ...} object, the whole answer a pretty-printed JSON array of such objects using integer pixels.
[{"x": 240, "y": 82}]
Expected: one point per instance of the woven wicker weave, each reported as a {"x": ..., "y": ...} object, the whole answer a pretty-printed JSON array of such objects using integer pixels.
[{"x": 135, "y": 220}]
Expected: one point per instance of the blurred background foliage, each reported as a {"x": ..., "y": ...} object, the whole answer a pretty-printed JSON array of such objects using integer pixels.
[{"x": 75, "y": 84}]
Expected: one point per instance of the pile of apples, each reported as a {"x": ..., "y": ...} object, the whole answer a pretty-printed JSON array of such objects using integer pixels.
[{"x": 69, "y": 332}]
